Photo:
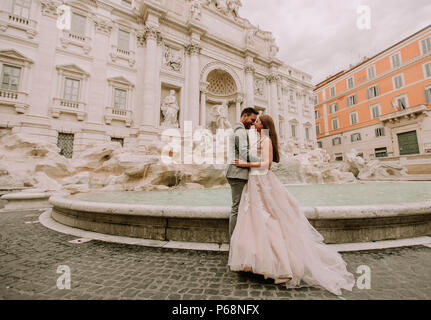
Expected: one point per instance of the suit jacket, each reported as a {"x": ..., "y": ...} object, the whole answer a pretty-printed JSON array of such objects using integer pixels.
[{"x": 239, "y": 147}]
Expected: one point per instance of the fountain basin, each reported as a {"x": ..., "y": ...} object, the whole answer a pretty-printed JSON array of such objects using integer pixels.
[{"x": 115, "y": 214}]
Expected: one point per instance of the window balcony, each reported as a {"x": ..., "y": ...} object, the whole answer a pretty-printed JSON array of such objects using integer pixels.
[
  {"x": 14, "y": 98},
  {"x": 118, "y": 114},
  {"x": 124, "y": 54},
  {"x": 8, "y": 20},
  {"x": 70, "y": 38},
  {"x": 68, "y": 106},
  {"x": 306, "y": 112},
  {"x": 409, "y": 113}
]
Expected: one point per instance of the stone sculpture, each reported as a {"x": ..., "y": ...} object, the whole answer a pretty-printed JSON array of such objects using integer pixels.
[{"x": 170, "y": 110}]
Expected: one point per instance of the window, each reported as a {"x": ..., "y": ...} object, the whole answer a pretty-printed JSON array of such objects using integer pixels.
[
  {"x": 336, "y": 141},
  {"x": 10, "y": 77},
  {"x": 350, "y": 83},
  {"x": 65, "y": 143},
  {"x": 120, "y": 98},
  {"x": 373, "y": 92},
  {"x": 353, "y": 118},
  {"x": 396, "y": 60},
  {"x": 320, "y": 144},
  {"x": 119, "y": 140},
  {"x": 356, "y": 137},
  {"x": 318, "y": 128},
  {"x": 371, "y": 72},
  {"x": 333, "y": 107},
  {"x": 78, "y": 24},
  {"x": 127, "y": 3},
  {"x": 123, "y": 39},
  {"x": 307, "y": 133},
  {"x": 21, "y": 8},
  {"x": 402, "y": 103},
  {"x": 317, "y": 114},
  {"x": 398, "y": 81},
  {"x": 380, "y": 132},
  {"x": 426, "y": 45},
  {"x": 375, "y": 111},
  {"x": 333, "y": 92},
  {"x": 338, "y": 157},
  {"x": 316, "y": 102},
  {"x": 335, "y": 124},
  {"x": 352, "y": 100},
  {"x": 427, "y": 68},
  {"x": 381, "y": 152},
  {"x": 293, "y": 130},
  {"x": 71, "y": 89},
  {"x": 428, "y": 95}
]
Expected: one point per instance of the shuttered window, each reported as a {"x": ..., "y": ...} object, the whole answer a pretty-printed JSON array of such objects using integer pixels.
[
  {"x": 373, "y": 92},
  {"x": 10, "y": 77},
  {"x": 78, "y": 24},
  {"x": 21, "y": 8},
  {"x": 123, "y": 39},
  {"x": 398, "y": 81},
  {"x": 396, "y": 60},
  {"x": 71, "y": 89},
  {"x": 428, "y": 95},
  {"x": 371, "y": 72},
  {"x": 426, "y": 45}
]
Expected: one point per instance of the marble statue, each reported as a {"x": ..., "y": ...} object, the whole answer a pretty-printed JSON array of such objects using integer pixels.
[
  {"x": 221, "y": 116},
  {"x": 170, "y": 110},
  {"x": 195, "y": 9},
  {"x": 173, "y": 60}
]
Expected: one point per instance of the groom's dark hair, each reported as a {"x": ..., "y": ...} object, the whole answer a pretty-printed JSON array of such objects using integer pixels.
[{"x": 249, "y": 112}]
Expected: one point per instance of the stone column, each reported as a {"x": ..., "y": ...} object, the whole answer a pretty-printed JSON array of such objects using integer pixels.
[
  {"x": 203, "y": 111},
  {"x": 249, "y": 85},
  {"x": 192, "y": 113},
  {"x": 273, "y": 102},
  {"x": 151, "y": 36},
  {"x": 239, "y": 100}
]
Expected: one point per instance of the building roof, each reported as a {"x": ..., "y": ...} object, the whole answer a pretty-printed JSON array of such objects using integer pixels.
[{"x": 341, "y": 73}]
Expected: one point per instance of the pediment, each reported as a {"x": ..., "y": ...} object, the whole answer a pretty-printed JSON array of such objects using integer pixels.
[
  {"x": 73, "y": 68},
  {"x": 14, "y": 55},
  {"x": 121, "y": 80}
]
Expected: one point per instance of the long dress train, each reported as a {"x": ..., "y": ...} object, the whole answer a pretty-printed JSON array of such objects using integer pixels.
[{"x": 274, "y": 238}]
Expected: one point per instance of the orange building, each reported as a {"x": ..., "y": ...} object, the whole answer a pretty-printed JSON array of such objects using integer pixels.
[{"x": 380, "y": 107}]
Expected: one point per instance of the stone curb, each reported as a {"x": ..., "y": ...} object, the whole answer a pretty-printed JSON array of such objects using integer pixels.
[{"x": 46, "y": 220}]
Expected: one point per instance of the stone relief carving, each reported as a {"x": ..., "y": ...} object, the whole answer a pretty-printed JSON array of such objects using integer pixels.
[
  {"x": 173, "y": 58},
  {"x": 195, "y": 9},
  {"x": 103, "y": 26},
  {"x": 227, "y": 7},
  {"x": 259, "y": 87},
  {"x": 49, "y": 8},
  {"x": 220, "y": 117},
  {"x": 170, "y": 111}
]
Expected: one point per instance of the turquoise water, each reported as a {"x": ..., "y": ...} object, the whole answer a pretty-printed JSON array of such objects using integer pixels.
[{"x": 308, "y": 195}]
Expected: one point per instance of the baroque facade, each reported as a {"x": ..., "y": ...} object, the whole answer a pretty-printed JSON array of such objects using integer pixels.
[{"x": 126, "y": 70}]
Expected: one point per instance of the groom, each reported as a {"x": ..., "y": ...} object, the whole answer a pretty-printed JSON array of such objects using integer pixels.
[{"x": 239, "y": 147}]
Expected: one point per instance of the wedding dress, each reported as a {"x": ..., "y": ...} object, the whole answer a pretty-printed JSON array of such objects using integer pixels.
[{"x": 273, "y": 238}]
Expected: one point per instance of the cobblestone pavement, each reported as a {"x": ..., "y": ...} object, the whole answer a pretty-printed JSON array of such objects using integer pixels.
[{"x": 30, "y": 255}]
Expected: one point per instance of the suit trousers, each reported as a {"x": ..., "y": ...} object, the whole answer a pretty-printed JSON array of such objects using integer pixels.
[{"x": 237, "y": 186}]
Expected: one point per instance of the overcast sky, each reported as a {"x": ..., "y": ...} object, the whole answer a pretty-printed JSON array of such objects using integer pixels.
[{"x": 320, "y": 37}]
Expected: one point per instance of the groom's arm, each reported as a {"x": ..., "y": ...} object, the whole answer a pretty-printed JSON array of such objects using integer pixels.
[{"x": 243, "y": 147}]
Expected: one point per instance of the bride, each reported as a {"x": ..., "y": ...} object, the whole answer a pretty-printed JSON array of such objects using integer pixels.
[{"x": 273, "y": 237}]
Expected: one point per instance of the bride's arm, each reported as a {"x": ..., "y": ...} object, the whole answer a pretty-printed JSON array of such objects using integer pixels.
[{"x": 267, "y": 157}]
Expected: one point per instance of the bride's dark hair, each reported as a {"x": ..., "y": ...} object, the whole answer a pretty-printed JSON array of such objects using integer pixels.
[{"x": 268, "y": 123}]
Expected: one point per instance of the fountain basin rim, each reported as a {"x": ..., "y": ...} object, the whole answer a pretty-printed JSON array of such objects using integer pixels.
[{"x": 216, "y": 212}]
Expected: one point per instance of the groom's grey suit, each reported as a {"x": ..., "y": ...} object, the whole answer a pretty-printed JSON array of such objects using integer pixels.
[{"x": 239, "y": 148}]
